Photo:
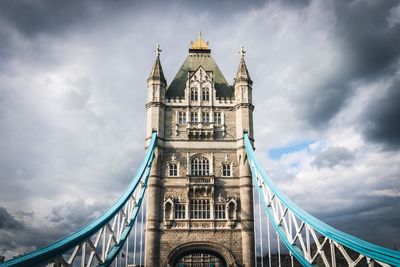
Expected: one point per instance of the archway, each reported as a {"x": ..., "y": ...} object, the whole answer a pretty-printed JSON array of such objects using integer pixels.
[{"x": 202, "y": 254}]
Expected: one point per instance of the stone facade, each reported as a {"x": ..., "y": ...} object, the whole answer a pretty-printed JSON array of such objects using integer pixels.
[{"x": 200, "y": 190}]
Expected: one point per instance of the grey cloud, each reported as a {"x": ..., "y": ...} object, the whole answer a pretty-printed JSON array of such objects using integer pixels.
[
  {"x": 7, "y": 221},
  {"x": 41, "y": 16},
  {"x": 381, "y": 120},
  {"x": 25, "y": 214},
  {"x": 32, "y": 18},
  {"x": 18, "y": 235},
  {"x": 370, "y": 39},
  {"x": 297, "y": 3},
  {"x": 370, "y": 46},
  {"x": 332, "y": 157},
  {"x": 72, "y": 216},
  {"x": 326, "y": 102},
  {"x": 370, "y": 216}
]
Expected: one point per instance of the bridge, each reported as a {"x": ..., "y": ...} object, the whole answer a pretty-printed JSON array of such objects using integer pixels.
[{"x": 116, "y": 237}]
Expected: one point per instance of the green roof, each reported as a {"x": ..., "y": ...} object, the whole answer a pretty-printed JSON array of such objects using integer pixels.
[{"x": 191, "y": 64}]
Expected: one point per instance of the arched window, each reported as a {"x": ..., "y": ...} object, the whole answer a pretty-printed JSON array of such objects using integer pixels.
[
  {"x": 200, "y": 209},
  {"x": 226, "y": 170},
  {"x": 179, "y": 211},
  {"x": 206, "y": 94},
  {"x": 205, "y": 116},
  {"x": 200, "y": 166},
  {"x": 220, "y": 211},
  {"x": 173, "y": 169},
  {"x": 217, "y": 118},
  {"x": 182, "y": 118},
  {"x": 194, "y": 95},
  {"x": 194, "y": 117}
]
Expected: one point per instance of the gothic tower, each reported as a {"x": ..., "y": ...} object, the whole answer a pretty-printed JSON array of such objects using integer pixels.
[{"x": 200, "y": 203}]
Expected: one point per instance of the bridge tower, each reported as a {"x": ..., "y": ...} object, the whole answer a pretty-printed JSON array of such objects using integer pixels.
[{"x": 200, "y": 203}]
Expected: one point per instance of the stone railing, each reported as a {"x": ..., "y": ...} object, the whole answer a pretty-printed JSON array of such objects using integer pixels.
[
  {"x": 200, "y": 129},
  {"x": 203, "y": 180}
]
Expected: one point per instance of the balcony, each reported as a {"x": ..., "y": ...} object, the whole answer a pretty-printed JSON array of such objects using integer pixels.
[
  {"x": 200, "y": 130},
  {"x": 201, "y": 180}
]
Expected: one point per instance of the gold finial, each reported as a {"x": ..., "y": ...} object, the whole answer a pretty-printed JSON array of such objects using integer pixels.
[
  {"x": 242, "y": 51},
  {"x": 158, "y": 50},
  {"x": 199, "y": 43}
]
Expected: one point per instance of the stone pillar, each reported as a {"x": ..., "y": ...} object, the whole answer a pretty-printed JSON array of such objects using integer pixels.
[
  {"x": 152, "y": 245},
  {"x": 247, "y": 216}
]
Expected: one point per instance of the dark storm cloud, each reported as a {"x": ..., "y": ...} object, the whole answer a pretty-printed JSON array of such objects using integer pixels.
[
  {"x": 54, "y": 17},
  {"x": 326, "y": 102},
  {"x": 65, "y": 219},
  {"x": 371, "y": 48},
  {"x": 372, "y": 42},
  {"x": 332, "y": 157},
  {"x": 369, "y": 214},
  {"x": 381, "y": 120},
  {"x": 38, "y": 16},
  {"x": 7, "y": 221}
]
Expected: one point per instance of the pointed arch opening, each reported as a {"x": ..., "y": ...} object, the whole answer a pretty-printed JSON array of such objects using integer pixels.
[{"x": 199, "y": 166}]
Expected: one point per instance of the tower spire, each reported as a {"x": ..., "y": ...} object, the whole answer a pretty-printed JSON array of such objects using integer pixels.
[
  {"x": 242, "y": 73},
  {"x": 156, "y": 72}
]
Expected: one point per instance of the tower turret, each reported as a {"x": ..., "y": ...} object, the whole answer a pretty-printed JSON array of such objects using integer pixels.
[
  {"x": 156, "y": 85},
  {"x": 244, "y": 123},
  {"x": 243, "y": 83},
  {"x": 243, "y": 95}
]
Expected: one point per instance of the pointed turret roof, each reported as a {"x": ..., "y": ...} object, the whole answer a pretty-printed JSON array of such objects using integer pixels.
[
  {"x": 242, "y": 73},
  {"x": 156, "y": 72},
  {"x": 199, "y": 55}
]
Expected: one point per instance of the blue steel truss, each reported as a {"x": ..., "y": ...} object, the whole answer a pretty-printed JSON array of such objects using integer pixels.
[
  {"x": 296, "y": 227},
  {"x": 112, "y": 227}
]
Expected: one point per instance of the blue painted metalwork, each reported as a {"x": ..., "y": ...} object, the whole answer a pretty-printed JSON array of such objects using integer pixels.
[
  {"x": 363, "y": 247},
  {"x": 53, "y": 251}
]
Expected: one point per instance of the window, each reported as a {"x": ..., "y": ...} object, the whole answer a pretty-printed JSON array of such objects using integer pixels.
[
  {"x": 194, "y": 117},
  {"x": 200, "y": 209},
  {"x": 206, "y": 94},
  {"x": 226, "y": 170},
  {"x": 194, "y": 96},
  {"x": 205, "y": 116},
  {"x": 173, "y": 169},
  {"x": 217, "y": 118},
  {"x": 220, "y": 211},
  {"x": 180, "y": 211},
  {"x": 182, "y": 118},
  {"x": 199, "y": 166}
]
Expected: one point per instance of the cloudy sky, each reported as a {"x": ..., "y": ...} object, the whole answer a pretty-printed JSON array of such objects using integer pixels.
[{"x": 73, "y": 87}]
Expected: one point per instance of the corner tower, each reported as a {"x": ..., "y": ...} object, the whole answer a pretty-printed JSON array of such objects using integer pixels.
[{"x": 200, "y": 204}]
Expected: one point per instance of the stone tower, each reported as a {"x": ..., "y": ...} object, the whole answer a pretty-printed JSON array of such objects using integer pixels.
[{"x": 200, "y": 204}]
